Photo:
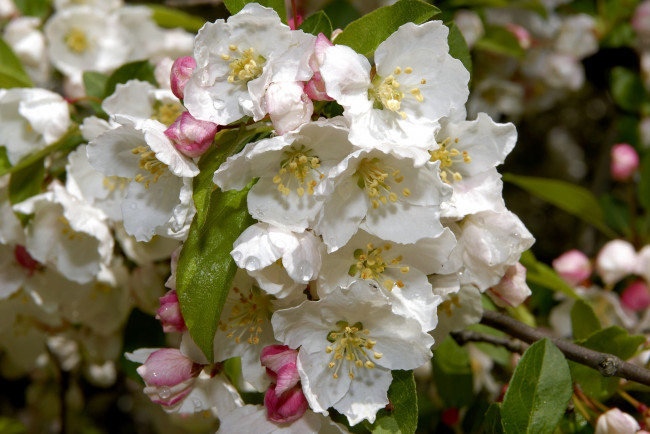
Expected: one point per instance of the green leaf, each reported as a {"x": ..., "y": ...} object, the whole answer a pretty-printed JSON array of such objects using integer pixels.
[
  {"x": 627, "y": 89},
  {"x": 403, "y": 418},
  {"x": 493, "y": 424},
  {"x": 341, "y": 13},
  {"x": 458, "y": 47},
  {"x": 11, "y": 426},
  {"x": 584, "y": 321},
  {"x": 366, "y": 33},
  {"x": 26, "y": 183},
  {"x": 622, "y": 35},
  {"x": 12, "y": 73},
  {"x": 616, "y": 212},
  {"x": 643, "y": 192},
  {"x": 5, "y": 165},
  {"x": 497, "y": 353},
  {"x": 205, "y": 267},
  {"x": 500, "y": 40},
  {"x": 317, "y": 23},
  {"x": 172, "y": 18},
  {"x": 452, "y": 374},
  {"x": 611, "y": 340},
  {"x": 234, "y": 6},
  {"x": 543, "y": 275},
  {"x": 539, "y": 390},
  {"x": 141, "y": 70},
  {"x": 95, "y": 84},
  {"x": 571, "y": 198},
  {"x": 34, "y": 8}
]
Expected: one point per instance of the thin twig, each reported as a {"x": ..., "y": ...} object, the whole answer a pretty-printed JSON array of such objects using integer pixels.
[
  {"x": 607, "y": 364},
  {"x": 512, "y": 345}
]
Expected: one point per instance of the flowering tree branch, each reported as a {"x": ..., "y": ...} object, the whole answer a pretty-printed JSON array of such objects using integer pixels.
[{"x": 607, "y": 364}]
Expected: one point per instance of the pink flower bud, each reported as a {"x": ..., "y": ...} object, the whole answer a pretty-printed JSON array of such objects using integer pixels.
[
  {"x": 615, "y": 421},
  {"x": 616, "y": 260},
  {"x": 625, "y": 161},
  {"x": 25, "y": 260},
  {"x": 295, "y": 23},
  {"x": 573, "y": 266},
  {"x": 285, "y": 407},
  {"x": 512, "y": 289},
  {"x": 315, "y": 88},
  {"x": 169, "y": 313},
  {"x": 280, "y": 363},
  {"x": 191, "y": 136},
  {"x": 641, "y": 20},
  {"x": 168, "y": 375},
  {"x": 521, "y": 34},
  {"x": 636, "y": 296},
  {"x": 181, "y": 72}
]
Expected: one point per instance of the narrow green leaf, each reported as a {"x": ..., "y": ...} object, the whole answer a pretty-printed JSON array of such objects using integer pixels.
[
  {"x": 205, "y": 267},
  {"x": 69, "y": 140},
  {"x": 452, "y": 374},
  {"x": 403, "y": 418},
  {"x": 235, "y": 6},
  {"x": 643, "y": 192},
  {"x": 26, "y": 183},
  {"x": 366, "y": 33},
  {"x": 543, "y": 275},
  {"x": 500, "y": 40},
  {"x": 458, "y": 47},
  {"x": 12, "y": 73},
  {"x": 584, "y": 321},
  {"x": 627, "y": 89},
  {"x": 141, "y": 70},
  {"x": 616, "y": 212},
  {"x": 34, "y": 8},
  {"x": 539, "y": 390},
  {"x": 611, "y": 340},
  {"x": 317, "y": 23},
  {"x": 493, "y": 424},
  {"x": 5, "y": 165},
  {"x": 571, "y": 198},
  {"x": 172, "y": 18}
]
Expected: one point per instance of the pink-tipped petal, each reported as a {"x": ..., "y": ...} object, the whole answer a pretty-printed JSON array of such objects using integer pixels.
[
  {"x": 181, "y": 72},
  {"x": 287, "y": 407}
]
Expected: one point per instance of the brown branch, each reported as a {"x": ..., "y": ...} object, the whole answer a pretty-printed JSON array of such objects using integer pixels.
[
  {"x": 607, "y": 364},
  {"x": 512, "y": 345}
]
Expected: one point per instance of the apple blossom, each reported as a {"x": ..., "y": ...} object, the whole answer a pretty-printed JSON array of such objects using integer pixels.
[
  {"x": 191, "y": 137},
  {"x": 573, "y": 266},
  {"x": 616, "y": 260}
]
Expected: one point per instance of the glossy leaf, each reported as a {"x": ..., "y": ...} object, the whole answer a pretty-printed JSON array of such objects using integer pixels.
[
  {"x": 543, "y": 275},
  {"x": 403, "y": 417},
  {"x": 341, "y": 13},
  {"x": 452, "y": 374},
  {"x": 458, "y": 47},
  {"x": 171, "y": 18},
  {"x": 611, "y": 340},
  {"x": 317, "y": 23},
  {"x": 235, "y": 6},
  {"x": 27, "y": 181},
  {"x": 366, "y": 33},
  {"x": 141, "y": 70},
  {"x": 12, "y": 73},
  {"x": 493, "y": 424},
  {"x": 205, "y": 267},
  {"x": 539, "y": 390},
  {"x": 584, "y": 321},
  {"x": 571, "y": 198},
  {"x": 499, "y": 40}
]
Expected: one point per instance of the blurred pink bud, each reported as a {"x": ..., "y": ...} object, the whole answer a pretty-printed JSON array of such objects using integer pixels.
[
  {"x": 512, "y": 289},
  {"x": 191, "y": 136},
  {"x": 641, "y": 20},
  {"x": 625, "y": 161},
  {"x": 636, "y": 296},
  {"x": 616, "y": 260},
  {"x": 285, "y": 407},
  {"x": 295, "y": 23},
  {"x": 25, "y": 260},
  {"x": 315, "y": 88},
  {"x": 280, "y": 363},
  {"x": 521, "y": 34},
  {"x": 169, "y": 313},
  {"x": 573, "y": 266},
  {"x": 181, "y": 72},
  {"x": 614, "y": 421},
  {"x": 168, "y": 376}
]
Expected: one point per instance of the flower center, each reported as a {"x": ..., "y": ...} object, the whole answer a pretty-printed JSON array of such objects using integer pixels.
[
  {"x": 76, "y": 40},
  {"x": 371, "y": 265},
  {"x": 247, "y": 313},
  {"x": 353, "y": 345},
  {"x": 166, "y": 113},
  {"x": 297, "y": 171},
  {"x": 150, "y": 164},
  {"x": 244, "y": 65},
  {"x": 67, "y": 230},
  {"x": 373, "y": 177},
  {"x": 115, "y": 182},
  {"x": 447, "y": 305},
  {"x": 388, "y": 92},
  {"x": 448, "y": 156}
]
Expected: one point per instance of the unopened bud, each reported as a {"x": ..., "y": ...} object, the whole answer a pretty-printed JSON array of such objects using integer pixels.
[
  {"x": 280, "y": 363},
  {"x": 285, "y": 407},
  {"x": 625, "y": 161},
  {"x": 191, "y": 136},
  {"x": 512, "y": 290},
  {"x": 573, "y": 266},
  {"x": 615, "y": 421},
  {"x": 181, "y": 72},
  {"x": 636, "y": 296},
  {"x": 169, "y": 313},
  {"x": 616, "y": 260},
  {"x": 168, "y": 375}
]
